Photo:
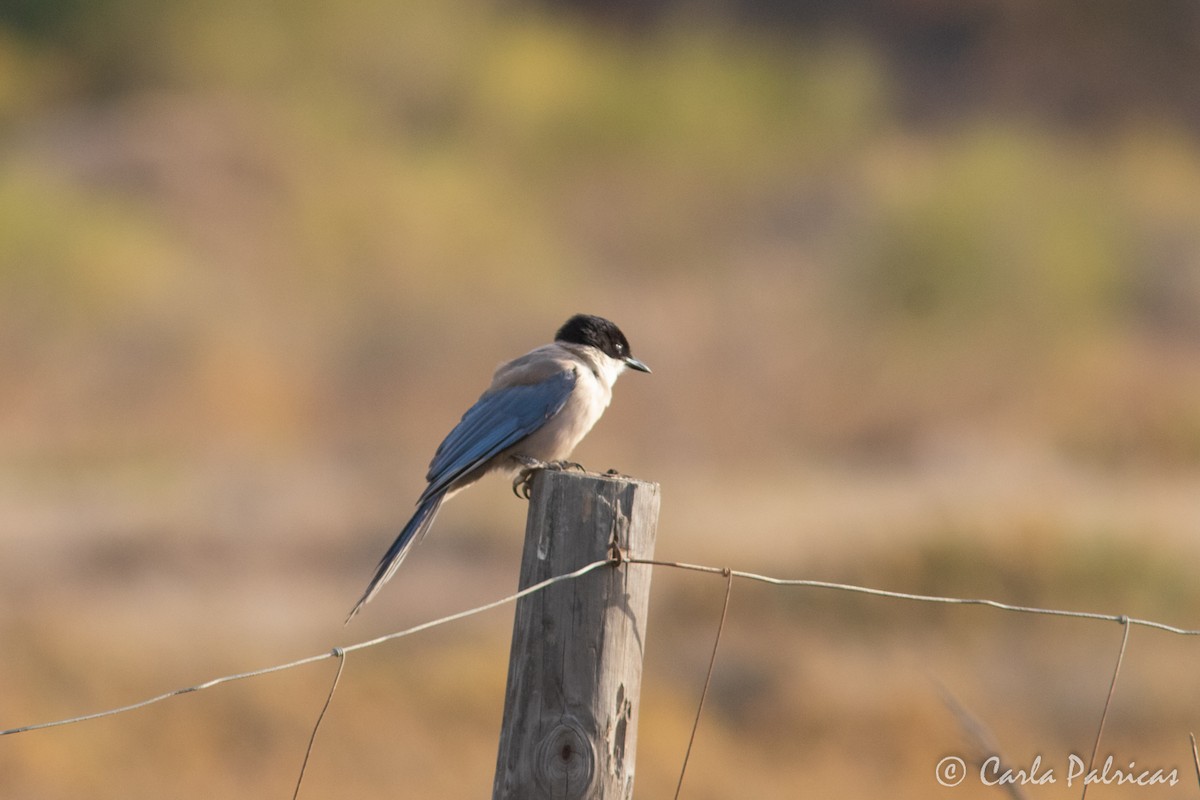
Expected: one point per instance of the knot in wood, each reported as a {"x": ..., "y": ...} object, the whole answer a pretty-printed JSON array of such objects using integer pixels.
[{"x": 565, "y": 763}]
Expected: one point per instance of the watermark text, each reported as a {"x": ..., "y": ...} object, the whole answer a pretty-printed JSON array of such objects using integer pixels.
[{"x": 1072, "y": 770}]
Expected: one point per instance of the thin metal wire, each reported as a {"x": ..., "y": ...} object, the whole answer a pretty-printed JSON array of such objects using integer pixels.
[
  {"x": 341, "y": 657},
  {"x": 800, "y": 582},
  {"x": 707, "y": 679},
  {"x": 537, "y": 587},
  {"x": 1112, "y": 687},
  {"x": 922, "y": 598},
  {"x": 1195, "y": 756}
]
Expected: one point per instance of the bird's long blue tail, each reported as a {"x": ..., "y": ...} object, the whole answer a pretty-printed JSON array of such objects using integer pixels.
[{"x": 413, "y": 532}]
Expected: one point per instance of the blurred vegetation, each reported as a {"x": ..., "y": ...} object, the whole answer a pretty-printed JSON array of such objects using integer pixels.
[
  {"x": 323, "y": 179},
  {"x": 920, "y": 283}
]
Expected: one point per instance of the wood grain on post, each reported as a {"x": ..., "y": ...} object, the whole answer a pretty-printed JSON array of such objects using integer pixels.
[{"x": 575, "y": 671}]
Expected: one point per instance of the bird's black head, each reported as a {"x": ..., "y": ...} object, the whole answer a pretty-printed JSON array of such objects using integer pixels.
[{"x": 601, "y": 334}]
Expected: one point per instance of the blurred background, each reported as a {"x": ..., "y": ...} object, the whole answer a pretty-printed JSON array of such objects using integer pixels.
[{"x": 919, "y": 282}]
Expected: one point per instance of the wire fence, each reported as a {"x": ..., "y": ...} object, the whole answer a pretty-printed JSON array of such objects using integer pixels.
[{"x": 1125, "y": 621}]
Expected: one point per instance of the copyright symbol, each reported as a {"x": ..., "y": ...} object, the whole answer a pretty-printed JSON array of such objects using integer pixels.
[{"x": 950, "y": 771}]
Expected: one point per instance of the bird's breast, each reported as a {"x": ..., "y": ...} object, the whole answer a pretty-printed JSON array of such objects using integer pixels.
[{"x": 555, "y": 440}]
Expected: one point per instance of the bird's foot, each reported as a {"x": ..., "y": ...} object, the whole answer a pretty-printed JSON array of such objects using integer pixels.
[{"x": 523, "y": 483}]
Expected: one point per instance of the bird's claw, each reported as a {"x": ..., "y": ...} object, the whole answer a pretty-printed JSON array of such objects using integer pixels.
[{"x": 523, "y": 484}]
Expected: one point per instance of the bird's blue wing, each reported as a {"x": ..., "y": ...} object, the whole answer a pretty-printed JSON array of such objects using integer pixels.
[{"x": 498, "y": 420}]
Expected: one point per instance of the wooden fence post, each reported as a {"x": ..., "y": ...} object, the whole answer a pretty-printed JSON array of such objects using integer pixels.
[{"x": 575, "y": 670}]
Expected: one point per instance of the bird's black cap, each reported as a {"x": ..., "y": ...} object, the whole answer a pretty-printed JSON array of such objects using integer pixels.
[{"x": 605, "y": 336}]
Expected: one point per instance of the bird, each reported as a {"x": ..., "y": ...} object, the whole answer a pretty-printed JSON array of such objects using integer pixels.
[{"x": 537, "y": 409}]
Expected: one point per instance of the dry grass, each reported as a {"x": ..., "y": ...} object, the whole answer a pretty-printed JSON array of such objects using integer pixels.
[{"x": 253, "y": 264}]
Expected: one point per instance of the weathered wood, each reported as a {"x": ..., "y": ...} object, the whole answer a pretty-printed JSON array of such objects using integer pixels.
[{"x": 575, "y": 671}]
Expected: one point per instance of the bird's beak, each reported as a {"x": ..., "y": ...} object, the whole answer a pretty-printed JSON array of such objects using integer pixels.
[{"x": 633, "y": 363}]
